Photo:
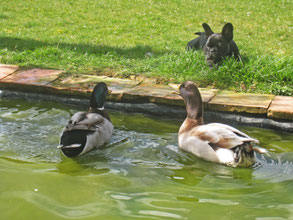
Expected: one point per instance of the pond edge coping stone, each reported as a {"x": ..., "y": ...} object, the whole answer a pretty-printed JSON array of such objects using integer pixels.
[{"x": 137, "y": 91}]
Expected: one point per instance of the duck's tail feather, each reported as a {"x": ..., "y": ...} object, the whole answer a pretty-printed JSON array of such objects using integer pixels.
[
  {"x": 244, "y": 154},
  {"x": 73, "y": 142}
]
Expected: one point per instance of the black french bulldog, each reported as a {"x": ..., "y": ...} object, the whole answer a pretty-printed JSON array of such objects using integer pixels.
[{"x": 215, "y": 46}]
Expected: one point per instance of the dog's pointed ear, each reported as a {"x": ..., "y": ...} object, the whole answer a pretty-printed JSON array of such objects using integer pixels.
[
  {"x": 208, "y": 31},
  {"x": 227, "y": 32}
]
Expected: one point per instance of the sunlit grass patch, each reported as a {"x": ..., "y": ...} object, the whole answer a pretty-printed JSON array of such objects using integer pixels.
[{"x": 148, "y": 38}]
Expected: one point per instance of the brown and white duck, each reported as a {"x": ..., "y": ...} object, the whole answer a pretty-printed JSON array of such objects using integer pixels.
[
  {"x": 214, "y": 142},
  {"x": 86, "y": 131}
]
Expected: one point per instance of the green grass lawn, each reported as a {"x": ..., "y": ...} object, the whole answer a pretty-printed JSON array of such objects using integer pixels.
[{"x": 148, "y": 38}]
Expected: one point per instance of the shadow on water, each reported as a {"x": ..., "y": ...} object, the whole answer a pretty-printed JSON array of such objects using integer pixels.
[
  {"x": 136, "y": 52},
  {"x": 74, "y": 167}
]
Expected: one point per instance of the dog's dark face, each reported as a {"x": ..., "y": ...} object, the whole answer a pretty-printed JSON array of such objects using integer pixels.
[{"x": 217, "y": 45}]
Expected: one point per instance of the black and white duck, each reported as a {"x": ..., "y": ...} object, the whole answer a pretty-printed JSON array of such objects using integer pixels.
[
  {"x": 86, "y": 131},
  {"x": 214, "y": 142}
]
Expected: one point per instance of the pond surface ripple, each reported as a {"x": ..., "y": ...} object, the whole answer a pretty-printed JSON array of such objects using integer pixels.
[{"x": 139, "y": 174}]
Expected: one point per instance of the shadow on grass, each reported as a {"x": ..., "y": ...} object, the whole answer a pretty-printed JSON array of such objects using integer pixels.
[
  {"x": 3, "y": 16},
  {"x": 245, "y": 59},
  {"x": 136, "y": 52}
]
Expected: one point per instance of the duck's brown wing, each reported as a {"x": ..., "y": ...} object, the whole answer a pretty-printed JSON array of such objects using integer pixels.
[{"x": 223, "y": 136}]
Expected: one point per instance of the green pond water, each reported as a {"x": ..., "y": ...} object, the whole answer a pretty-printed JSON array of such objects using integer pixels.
[{"x": 139, "y": 174}]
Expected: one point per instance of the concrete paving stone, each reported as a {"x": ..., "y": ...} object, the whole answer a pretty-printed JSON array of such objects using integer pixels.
[
  {"x": 161, "y": 94},
  {"x": 116, "y": 86},
  {"x": 207, "y": 94},
  {"x": 281, "y": 108},
  {"x": 86, "y": 81},
  {"x": 146, "y": 92},
  {"x": 131, "y": 90},
  {"x": 33, "y": 77},
  {"x": 239, "y": 102},
  {"x": 168, "y": 99},
  {"x": 6, "y": 70},
  {"x": 174, "y": 86}
]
